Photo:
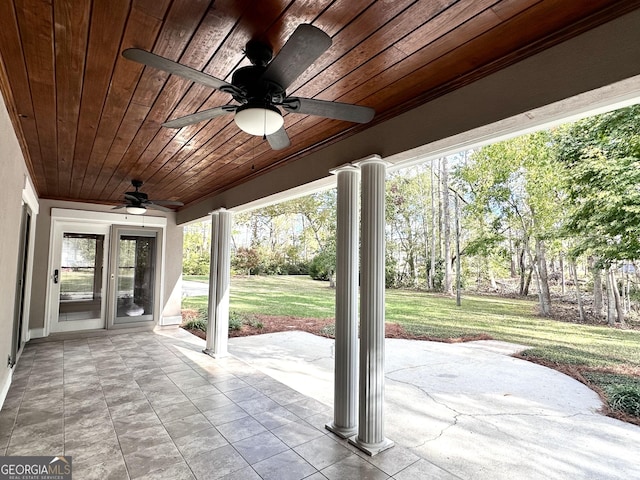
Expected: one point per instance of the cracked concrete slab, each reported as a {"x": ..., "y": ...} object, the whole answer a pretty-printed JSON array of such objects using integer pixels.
[{"x": 469, "y": 409}]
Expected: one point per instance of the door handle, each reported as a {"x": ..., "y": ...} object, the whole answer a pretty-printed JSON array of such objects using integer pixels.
[{"x": 56, "y": 276}]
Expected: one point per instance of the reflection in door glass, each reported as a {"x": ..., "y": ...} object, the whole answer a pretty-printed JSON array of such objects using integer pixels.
[
  {"x": 81, "y": 276},
  {"x": 136, "y": 278}
]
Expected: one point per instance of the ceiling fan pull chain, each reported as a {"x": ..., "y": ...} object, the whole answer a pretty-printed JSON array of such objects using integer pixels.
[{"x": 264, "y": 130}]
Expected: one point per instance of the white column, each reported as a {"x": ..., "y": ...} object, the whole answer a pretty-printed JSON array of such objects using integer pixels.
[
  {"x": 218, "y": 328},
  {"x": 370, "y": 438},
  {"x": 345, "y": 401},
  {"x": 213, "y": 278}
]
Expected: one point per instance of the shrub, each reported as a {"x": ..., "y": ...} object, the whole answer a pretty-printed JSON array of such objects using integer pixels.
[
  {"x": 245, "y": 261},
  {"x": 257, "y": 324},
  {"x": 625, "y": 398},
  {"x": 300, "y": 268},
  {"x": 196, "y": 324},
  {"x": 235, "y": 321},
  {"x": 328, "y": 330},
  {"x": 322, "y": 266}
]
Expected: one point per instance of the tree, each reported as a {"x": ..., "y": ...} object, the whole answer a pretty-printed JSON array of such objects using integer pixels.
[
  {"x": 458, "y": 268},
  {"x": 285, "y": 237},
  {"x": 434, "y": 217},
  {"x": 515, "y": 189},
  {"x": 405, "y": 218},
  {"x": 602, "y": 154},
  {"x": 196, "y": 248},
  {"x": 246, "y": 260},
  {"x": 446, "y": 226}
]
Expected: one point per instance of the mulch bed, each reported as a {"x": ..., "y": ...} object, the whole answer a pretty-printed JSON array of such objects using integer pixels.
[{"x": 262, "y": 324}]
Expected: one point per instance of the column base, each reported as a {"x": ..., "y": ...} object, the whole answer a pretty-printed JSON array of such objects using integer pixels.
[
  {"x": 212, "y": 354},
  {"x": 342, "y": 432},
  {"x": 371, "y": 449}
]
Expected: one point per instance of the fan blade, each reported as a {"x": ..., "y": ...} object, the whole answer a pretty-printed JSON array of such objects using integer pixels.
[
  {"x": 324, "y": 108},
  {"x": 279, "y": 140},
  {"x": 132, "y": 198},
  {"x": 175, "y": 68},
  {"x": 200, "y": 116},
  {"x": 119, "y": 207},
  {"x": 168, "y": 203},
  {"x": 153, "y": 206},
  {"x": 303, "y": 48}
]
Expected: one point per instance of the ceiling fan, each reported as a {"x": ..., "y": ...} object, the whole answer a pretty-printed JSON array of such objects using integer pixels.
[
  {"x": 137, "y": 202},
  {"x": 261, "y": 87}
]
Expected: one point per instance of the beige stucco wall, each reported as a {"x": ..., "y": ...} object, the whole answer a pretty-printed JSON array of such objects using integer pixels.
[
  {"x": 173, "y": 272},
  {"x": 14, "y": 173},
  {"x": 173, "y": 260}
]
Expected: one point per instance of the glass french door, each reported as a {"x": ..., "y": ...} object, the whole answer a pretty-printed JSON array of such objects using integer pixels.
[
  {"x": 79, "y": 279},
  {"x": 134, "y": 270},
  {"x": 104, "y": 276}
]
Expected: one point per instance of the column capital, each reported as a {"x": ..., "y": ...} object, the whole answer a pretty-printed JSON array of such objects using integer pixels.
[
  {"x": 371, "y": 159},
  {"x": 347, "y": 167},
  {"x": 218, "y": 210}
]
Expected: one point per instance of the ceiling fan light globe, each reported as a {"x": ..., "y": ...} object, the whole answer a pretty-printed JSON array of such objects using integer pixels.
[
  {"x": 259, "y": 120},
  {"x": 133, "y": 210}
]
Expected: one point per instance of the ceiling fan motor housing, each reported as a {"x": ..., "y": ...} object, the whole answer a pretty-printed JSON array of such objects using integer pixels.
[{"x": 256, "y": 89}]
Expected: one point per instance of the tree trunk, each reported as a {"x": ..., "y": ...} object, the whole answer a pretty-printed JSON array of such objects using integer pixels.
[
  {"x": 626, "y": 292},
  {"x": 514, "y": 255},
  {"x": 525, "y": 278},
  {"x": 432, "y": 266},
  {"x": 446, "y": 224},
  {"x": 623, "y": 292},
  {"x": 597, "y": 290},
  {"x": 527, "y": 282},
  {"x": 410, "y": 254},
  {"x": 611, "y": 302},
  {"x": 578, "y": 295},
  {"x": 616, "y": 297},
  {"x": 458, "y": 273},
  {"x": 563, "y": 284},
  {"x": 439, "y": 210},
  {"x": 628, "y": 277},
  {"x": 543, "y": 278},
  {"x": 254, "y": 232}
]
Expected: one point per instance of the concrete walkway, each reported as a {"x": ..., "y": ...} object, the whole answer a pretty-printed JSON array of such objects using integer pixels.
[
  {"x": 194, "y": 289},
  {"x": 469, "y": 409}
]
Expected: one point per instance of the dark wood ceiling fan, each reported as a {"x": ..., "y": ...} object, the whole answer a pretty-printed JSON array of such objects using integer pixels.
[
  {"x": 138, "y": 202},
  {"x": 260, "y": 89}
]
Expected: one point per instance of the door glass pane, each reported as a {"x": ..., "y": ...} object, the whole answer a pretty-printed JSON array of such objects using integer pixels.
[
  {"x": 135, "y": 280},
  {"x": 80, "y": 277}
]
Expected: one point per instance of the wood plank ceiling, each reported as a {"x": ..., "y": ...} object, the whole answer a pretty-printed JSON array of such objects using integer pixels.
[{"x": 89, "y": 120}]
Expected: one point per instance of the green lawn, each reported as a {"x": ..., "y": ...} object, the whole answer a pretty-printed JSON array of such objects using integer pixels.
[
  {"x": 82, "y": 282},
  {"x": 76, "y": 282},
  {"x": 507, "y": 319}
]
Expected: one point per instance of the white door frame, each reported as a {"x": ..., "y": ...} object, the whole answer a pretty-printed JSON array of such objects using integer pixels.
[
  {"x": 59, "y": 230},
  {"x": 112, "y": 298},
  {"x": 66, "y": 219},
  {"x": 30, "y": 199}
]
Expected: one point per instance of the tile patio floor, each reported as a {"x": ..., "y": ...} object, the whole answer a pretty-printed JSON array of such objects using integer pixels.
[{"x": 153, "y": 406}]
